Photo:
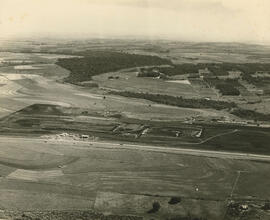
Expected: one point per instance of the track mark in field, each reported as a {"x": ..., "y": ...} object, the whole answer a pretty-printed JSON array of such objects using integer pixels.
[
  {"x": 210, "y": 138},
  {"x": 235, "y": 183},
  {"x": 218, "y": 135},
  {"x": 32, "y": 165},
  {"x": 233, "y": 188}
]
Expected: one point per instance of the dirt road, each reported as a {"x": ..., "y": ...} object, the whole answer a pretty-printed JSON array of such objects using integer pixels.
[{"x": 112, "y": 145}]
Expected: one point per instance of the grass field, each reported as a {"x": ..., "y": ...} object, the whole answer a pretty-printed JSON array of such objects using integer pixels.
[
  {"x": 129, "y": 82},
  {"x": 125, "y": 182}
]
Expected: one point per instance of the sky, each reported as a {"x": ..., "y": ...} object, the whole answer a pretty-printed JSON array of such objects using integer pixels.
[{"x": 186, "y": 20}]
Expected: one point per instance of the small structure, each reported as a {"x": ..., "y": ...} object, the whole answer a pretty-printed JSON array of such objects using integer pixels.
[
  {"x": 162, "y": 76},
  {"x": 155, "y": 70},
  {"x": 234, "y": 74},
  {"x": 113, "y": 77},
  {"x": 243, "y": 207},
  {"x": 84, "y": 136},
  {"x": 199, "y": 134},
  {"x": 63, "y": 134},
  {"x": 178, "y": 133},
  {"x": 231, "y": 75},
  {"x": 261, "y": 74},
  {"x": 144, "y": 132},
  {"x": 204, "y": 73}
]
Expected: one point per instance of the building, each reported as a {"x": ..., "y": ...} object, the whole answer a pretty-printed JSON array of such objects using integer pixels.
[
  {"x": 84, "y": 136},
  {"x": 261, "y": 74},
  {"x": 231, "y": 75},
  {"x": 204, "y": 73}
]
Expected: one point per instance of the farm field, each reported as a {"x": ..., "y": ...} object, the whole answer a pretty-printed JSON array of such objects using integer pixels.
[
  {"x": 189, "y": 52},
  {"x": 117, "y": 175},
  {"x": 129, "y": 82},
  {"x": 99, "y": 155}
]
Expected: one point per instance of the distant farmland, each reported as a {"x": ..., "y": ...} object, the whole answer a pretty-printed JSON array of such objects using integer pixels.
[{"x": 196, "y": 103}]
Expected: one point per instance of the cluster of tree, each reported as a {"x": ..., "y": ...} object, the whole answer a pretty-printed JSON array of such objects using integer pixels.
[
  {"x": 148, "y": 72},
  {"x": 155, "y": 208},
  {"x": 188, "y": 217},
  {"x": 253, "y": 80},
  {"x": 218, "y": 69},
  {"x": 98, "y": 62},
  {"x": 266, "y": 206},
  {"x": 250, "y": 68},
  {"x": 177, "y": 101},
  {"x": 213, "y": 81},
  {"x": 227, "y": 89},
  {"x": 250, "y": 114},
  {"x": 174, "y": 200},
  {"x": 185, "y": 68},
  {"x": 247, "y": 68}
]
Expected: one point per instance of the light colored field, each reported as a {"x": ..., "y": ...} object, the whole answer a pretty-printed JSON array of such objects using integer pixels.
[
  {"x": 54, "y": 56},
  {"x": 179, "y": 81},
  {"x": 25, "y": 58},
  {"x": 14, "y": 57},
  {"x": 32, "y": 175},
  {"x": 9, "y": 87},
  {"x": 25, "y": 67},
  {"x": 129, "y": 82}
]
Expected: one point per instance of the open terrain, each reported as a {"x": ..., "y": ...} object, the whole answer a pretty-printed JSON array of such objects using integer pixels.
[
  {"x": 91, "y": 144},
  {"x": 125, "y": 180}
]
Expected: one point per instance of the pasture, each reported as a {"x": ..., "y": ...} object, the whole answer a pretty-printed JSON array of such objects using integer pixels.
[{"x": 128, "y": 81}]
